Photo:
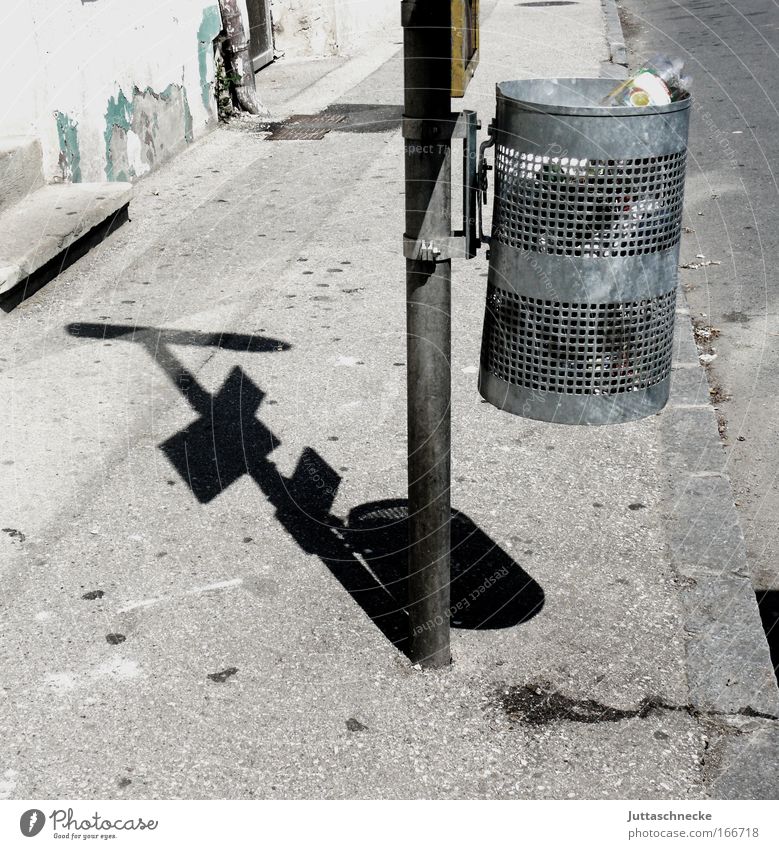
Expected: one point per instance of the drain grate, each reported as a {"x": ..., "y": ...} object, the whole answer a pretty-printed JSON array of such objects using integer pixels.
[
  {"x": 305, "y": 127},
  {"x": 340, "y": 117}
]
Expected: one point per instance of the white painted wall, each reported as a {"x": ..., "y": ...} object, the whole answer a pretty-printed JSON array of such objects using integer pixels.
[
  {"x": 305, "y": 28},
  {"x": 73, "y": 56},
  {"x": 68, "y": 61}
]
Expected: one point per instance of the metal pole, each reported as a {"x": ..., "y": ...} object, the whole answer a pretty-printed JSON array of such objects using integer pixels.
[{"x": 427, "y": 72}]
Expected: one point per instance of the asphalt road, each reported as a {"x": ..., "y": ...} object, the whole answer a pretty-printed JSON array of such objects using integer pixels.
[{"x": 732, "y": 216}]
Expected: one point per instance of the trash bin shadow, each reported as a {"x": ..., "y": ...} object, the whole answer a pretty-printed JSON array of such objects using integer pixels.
[{"x": 488, "y": 589}]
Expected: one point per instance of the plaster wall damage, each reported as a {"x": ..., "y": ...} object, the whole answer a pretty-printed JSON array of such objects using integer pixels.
[
  {"x": 111, "y": 89},
  {"x": 142, "y": 132},
  {"x": 304, "y": 28},
  {"x": 69, "y": 160}
]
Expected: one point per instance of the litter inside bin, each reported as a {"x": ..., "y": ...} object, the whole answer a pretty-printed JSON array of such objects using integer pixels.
[{"x": 658, "y": 82}]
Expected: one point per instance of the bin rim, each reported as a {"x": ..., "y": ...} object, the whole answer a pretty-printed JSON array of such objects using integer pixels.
[{"x": 528, "y": 94}]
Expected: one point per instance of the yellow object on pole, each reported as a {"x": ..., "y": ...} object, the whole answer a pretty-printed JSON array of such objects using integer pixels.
[{"x": 465, "y": 44}]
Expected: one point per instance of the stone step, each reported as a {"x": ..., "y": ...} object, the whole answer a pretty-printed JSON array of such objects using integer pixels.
[
  {"x": 48, "y": 221},
  {"x": 21, "y": 168}
]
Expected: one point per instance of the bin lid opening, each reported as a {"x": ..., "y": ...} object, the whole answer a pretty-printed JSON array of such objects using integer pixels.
[{"x": 575, "y": 96}]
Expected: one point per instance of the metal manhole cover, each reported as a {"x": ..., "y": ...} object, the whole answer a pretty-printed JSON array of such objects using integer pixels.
[
  {"x": 319, "y": 118},
  {"x": 305, "y": 127}
]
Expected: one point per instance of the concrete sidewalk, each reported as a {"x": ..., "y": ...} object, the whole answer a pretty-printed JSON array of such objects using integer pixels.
[{"x": 176, "y": 627}]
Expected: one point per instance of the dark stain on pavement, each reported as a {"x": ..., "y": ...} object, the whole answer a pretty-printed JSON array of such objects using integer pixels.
[
  {"x": 115, "y": 639},
  {"x": 535, "y": 704},
  {"x": 353, "y": 724},
  {"x": 735, "y": 316},
  {"x": 636, "y": 505},
  {"x": 14, "y": 534},
  {"x": 222, "y": 677},
  {"x": 539, "y": 704},
  {"x": 93, "y": 595}
]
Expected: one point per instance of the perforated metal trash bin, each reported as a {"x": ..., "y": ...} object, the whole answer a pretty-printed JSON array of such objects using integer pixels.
[{"x": 586, "y": 223}]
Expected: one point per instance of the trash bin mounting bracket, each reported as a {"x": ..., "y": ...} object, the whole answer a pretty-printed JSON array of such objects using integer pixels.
[{"x": 422, "y": 132}]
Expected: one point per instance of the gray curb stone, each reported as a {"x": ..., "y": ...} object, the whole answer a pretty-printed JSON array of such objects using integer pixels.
[
  {"x": 615, "y": 39},
  {"x": 729, "y": 668},
  {"x": 742, "y": 764}
]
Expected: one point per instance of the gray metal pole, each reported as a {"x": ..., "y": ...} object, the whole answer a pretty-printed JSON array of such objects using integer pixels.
[{"x": 427, "y": 71}]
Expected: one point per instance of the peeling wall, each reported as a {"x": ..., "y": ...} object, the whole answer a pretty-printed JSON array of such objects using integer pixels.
[
  {"x": 111, "y": 88},
  {"x": 304, "y": 28},
  {"x": 144, "y": 131},
  {"x": 70, "y": 153}
]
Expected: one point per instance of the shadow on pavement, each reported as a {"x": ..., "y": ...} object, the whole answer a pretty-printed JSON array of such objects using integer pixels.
[
  {"x": 768, "y": 603},
  {"x": 367, "y": 551}
]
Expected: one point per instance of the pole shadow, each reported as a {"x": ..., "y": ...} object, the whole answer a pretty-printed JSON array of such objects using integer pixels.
[{"x": 367, "y": 551}]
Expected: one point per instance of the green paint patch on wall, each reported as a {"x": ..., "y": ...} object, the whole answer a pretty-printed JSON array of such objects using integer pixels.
[
  {"x": 70, "y": 156},
  {"x": 210, "y": 27},
  {"x": 118, "y": 115}
]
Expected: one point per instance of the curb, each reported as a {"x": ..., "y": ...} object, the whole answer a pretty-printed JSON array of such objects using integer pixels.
[
  {"x": 732, "y": 687},
  {"x": 731, "y": 681},
  {"x": 615, "y": 39}
]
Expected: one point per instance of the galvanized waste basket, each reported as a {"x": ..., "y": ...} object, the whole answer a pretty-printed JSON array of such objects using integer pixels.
[{"x": 584, "y": 249}]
